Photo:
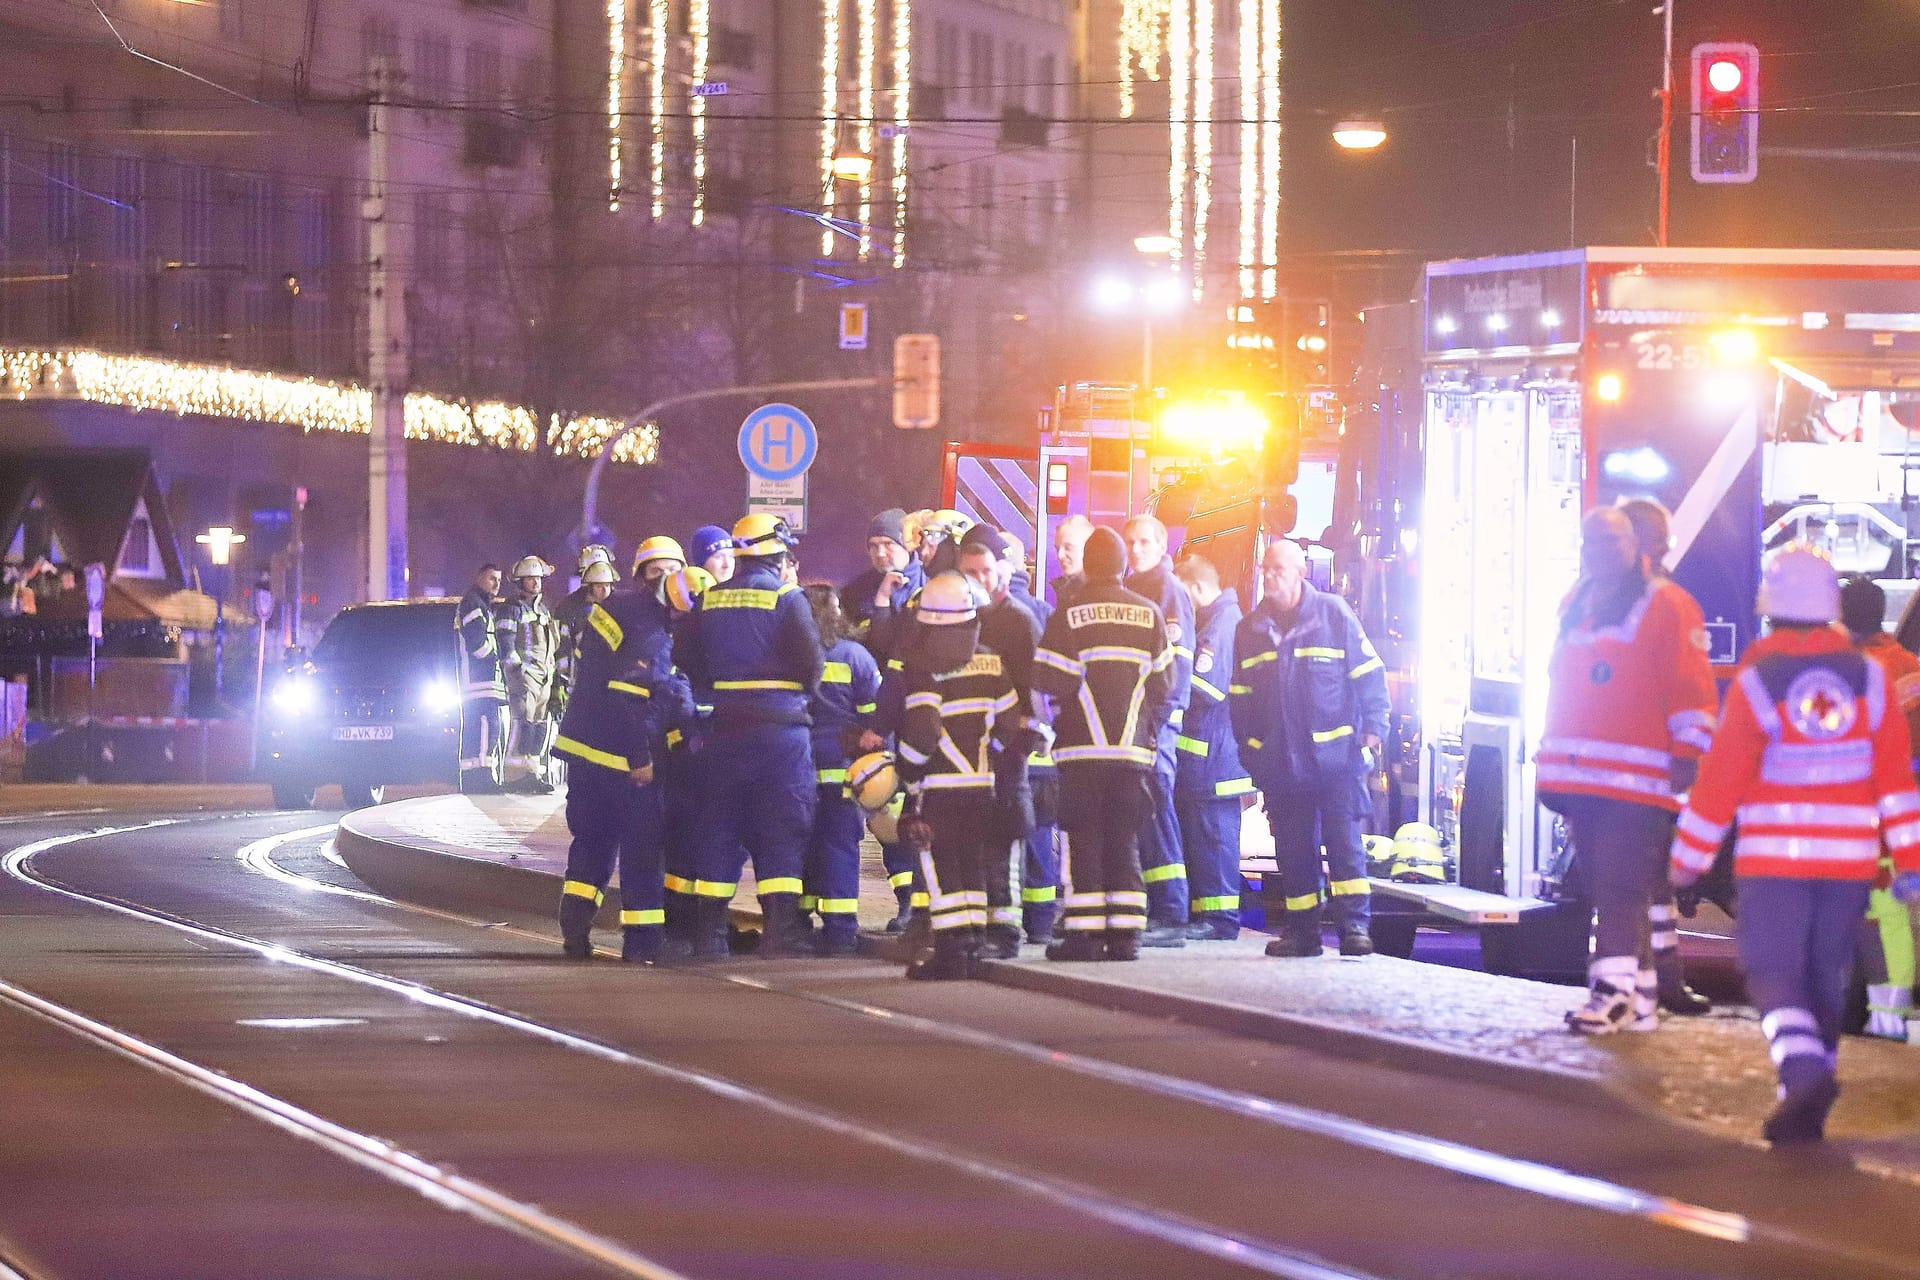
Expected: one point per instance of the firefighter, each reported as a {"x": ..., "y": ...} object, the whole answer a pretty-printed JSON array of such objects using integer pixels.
[
  {"x": 1652, "y": 531},
  {"x": 1813, "y": 759},
  {"x": 1884, "y": 950},
  {"x": 653, "y": 560},
  {"x": 529, "y": 641},
  {"x": 1161, "y": 859},
  {"x": 1211, "y": 788},
  {"x": 675, "y": 765},
  {"x": 713, "y": 551},
  {"x": 841, "y": 709},
  {"x": 1309, "y": 708},
  {"x": 625, "y": 696},
  {"x": 483, "y": 711},
  {"x": 752, "y": 650},
  {"x": 1101, "y": 676},
  {"x": 1630, "y": 708},
  {"x": 571, "y": 614},
  {"x": 959, "y": 699}
]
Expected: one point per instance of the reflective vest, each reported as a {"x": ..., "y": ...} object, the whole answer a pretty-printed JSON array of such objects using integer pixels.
[
  {"x": 1305, "y": 692},
  {"x": 949, "y": 722},
  {"x": 1208, "y": 755},
  {"x": 479, "y": 647},
  {"x": 625, "y": 691},
  {"x": 1812, "y": 762},
  {"x": 1903, "y": 677},
  {"x": 751, "y": 649},
  {"x": 1624, "y": 700},
  {"x": 848, "y": 693},
  {"x": 1104, "y": 663}
]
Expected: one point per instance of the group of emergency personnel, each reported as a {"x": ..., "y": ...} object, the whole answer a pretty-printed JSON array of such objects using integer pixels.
[{"x": 1802, "y": 778}]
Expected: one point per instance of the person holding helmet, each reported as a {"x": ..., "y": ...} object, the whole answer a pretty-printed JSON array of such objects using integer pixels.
[
  {"x": 1161, "y": 856},
  {"x": 1101, "y": 678},
  {"x": 751, "y": 649},
  {"x": 1210, "y": 787},
  {"x": 713, "y": 551},
  {"x": 654, "y": 559},
  {"x": 1813, "y": 760},
  {"x": 841, "y": 708},
  {"x": 1630, "y": 708},
  {"x": 483, "y": 711},
  {"x": 675, "y": 766},
  {"x": 529, "y": 640},
  {"x": 959, "y": 701}
]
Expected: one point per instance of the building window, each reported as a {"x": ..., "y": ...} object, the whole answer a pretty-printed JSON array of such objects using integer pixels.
[
  {"x": 980, "y": 68},
  {"x": 258, "y": 216},
  {"x": 1046, "y": 93},
  {"x": 136, "y": 553},
  {"x": 63, "y": 192},
  {"x": 432, "y": 68},
  {"x": 196, "y": 215},
  {"x": 130, "y": 209},
  {"x": 316, "y": 230},
  {"x": 430, "y": 235},
  {"x": 732, "y": 48}
]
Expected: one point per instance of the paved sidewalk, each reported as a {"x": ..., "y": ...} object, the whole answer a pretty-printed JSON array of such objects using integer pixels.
[{"x": 508, "y": 852}]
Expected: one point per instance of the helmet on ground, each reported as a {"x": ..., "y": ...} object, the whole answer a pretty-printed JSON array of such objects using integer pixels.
[
  {"x": 1417, "y": 855},
  {"x": 531, "y": 567},
  {"x": 761, "y": 534},
  {"x": 685, "y": 587},
  {"x": 597, "y": 573},
  {"x": 946, "y": 524},
  {"x": 1798, "y": 584},
  {"x": 949, "y": 600},
  {"x": 1379, "y": 854},
  {"x": 873, "y": 781},
  {"x": 657, "y": 548},
  {"x": 594, "y": 553}
]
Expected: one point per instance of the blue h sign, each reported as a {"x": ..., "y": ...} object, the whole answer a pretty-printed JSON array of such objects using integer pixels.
[{"x": 778, "y": 442}]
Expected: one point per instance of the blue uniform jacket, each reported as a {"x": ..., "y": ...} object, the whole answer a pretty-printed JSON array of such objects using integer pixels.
[
  {"x": 1305, "y": 693},
  {"x": 1160, "y": 586},
  {"x": 878, "y": 628},
  {"x": 752, "y": 645},
  {"x": 848, "y": 695},
  {"x": 1208, "y": 754},
  {"x": 626, "y": 691}
]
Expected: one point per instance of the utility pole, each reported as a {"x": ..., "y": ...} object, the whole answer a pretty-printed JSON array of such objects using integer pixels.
[
  {"x": 1665, "y": 146},
  {"x": 386, "y": 362}
]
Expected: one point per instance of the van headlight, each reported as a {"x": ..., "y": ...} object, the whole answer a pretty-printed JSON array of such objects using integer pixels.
[
  {"x": 440, "y": 696},
  {"x": 294, "y": 696}
]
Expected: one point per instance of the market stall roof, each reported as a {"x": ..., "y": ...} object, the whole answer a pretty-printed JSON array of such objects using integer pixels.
[{"x": 89, "y": 497}]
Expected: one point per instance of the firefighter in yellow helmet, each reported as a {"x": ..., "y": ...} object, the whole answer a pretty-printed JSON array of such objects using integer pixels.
[
  {"x": 655, "y": 559},
  {"x": 529, "y": 641}
]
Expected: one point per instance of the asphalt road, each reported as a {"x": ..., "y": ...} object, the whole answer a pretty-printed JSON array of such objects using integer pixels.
[{"x": 281, "y": 1080}]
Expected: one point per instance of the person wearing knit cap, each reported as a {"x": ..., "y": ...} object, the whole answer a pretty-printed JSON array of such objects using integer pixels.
[
  {"x": 711, "y": 548},
  {"x": 1100, "y": 677}
]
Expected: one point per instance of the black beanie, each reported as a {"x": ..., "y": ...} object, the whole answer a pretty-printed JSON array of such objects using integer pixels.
[
  {"x": 1863, "y": 605},
  {"x": 984, "y": 537},
  {"x": 1105, "y": 556},
  {"x": 891, "y": 523}
]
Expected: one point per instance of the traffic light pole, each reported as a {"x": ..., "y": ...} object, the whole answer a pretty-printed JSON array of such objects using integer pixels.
[{"x": 1666, "y": 122}]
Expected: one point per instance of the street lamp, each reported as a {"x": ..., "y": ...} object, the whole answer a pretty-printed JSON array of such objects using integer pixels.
[
  {"x": 219, "y": 541},
  {"x": 853, "y": 166},
  {"x": 1152, "y": 294},
  {"x": 1359, "y": 135}
]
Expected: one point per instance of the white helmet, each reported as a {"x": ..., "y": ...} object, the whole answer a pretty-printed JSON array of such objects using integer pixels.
[
  {"x": 600, "y": 572},
  {"x": 531, "y": 567},
  {"x": 950, "y": 600},
  {"x": 594, "y": 553},
  {"x": 1798, "y": 584}
]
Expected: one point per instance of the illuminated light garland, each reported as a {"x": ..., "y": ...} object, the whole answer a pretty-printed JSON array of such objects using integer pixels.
[
  {"x": 616, "y": 71},
  {"x": 902, "y": 102},
  {"x": 829, "y": 111},
  {"x": 1270, "y": 149},
  {"x": 1249, "y": 143},
  {"x": 1179, "y": 125},
  {"x": 1202, "y": 138},
  {"x": 147, "y": 384},
  {"x": 700, "y": 19},
  {"x": 1142, "y": 44},
  {"x": 657, "y": 103},
  {"x": 869, "y": 51}
]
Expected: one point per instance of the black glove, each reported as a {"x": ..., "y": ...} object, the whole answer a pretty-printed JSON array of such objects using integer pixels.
[{"x": 916, "y": 833}]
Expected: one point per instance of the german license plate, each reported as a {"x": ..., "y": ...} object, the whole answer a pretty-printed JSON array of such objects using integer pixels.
[{"x": 363, "y": 733}]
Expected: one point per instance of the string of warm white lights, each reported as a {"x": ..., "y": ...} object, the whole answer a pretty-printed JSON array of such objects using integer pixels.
[
  {"x": 1142, "y": 44},
  {"x": 829, "y": 111},
  {"x": 902, "y": 103},
  {"x": 145, "y": 383},
  {"x": 1179, "y": 119},
  {"x": 616, "y": 71},
  {"x": 1202, "y": 138},
  {"x": 1270, "y": 147},
  {"x": 699, "y": 19},
  {"x": 869, "y": 60},
  {"x": 1249, "y": 144},
  {"x": 657, "y": 51}
]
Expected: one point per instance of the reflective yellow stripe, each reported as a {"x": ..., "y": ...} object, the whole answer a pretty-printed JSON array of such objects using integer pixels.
[
  {"x": 679, "y": 884},
  {"x": 1255, "y": 743},
  {"x": 779, "y": 884},
  {"x": 652, "y": 915},
  {"x": 1271, "y": 655},
  {"x": 1334, "y": 735},
  {"x": 1314, "y": 651},
  {"x": 1225, "y": 902},
  {"x": 621, "y": 686},
  {"x": 675, "y": 737},
  {"x": 900, "y": 879},
  {"x": 919, "y": 900},
  {"x": 1172, "y": 871},
  {"x": 609, "y": 630},
  {"x": 1192, "y": 746},
  {"x": 866, "y": 708},
  {"x": 1207, "y": 688},
  {"x": 789, "y": 686},
  {"x": 1305, "y": 902},
  {"x": 738, "y": 598},
  {"x": 1045, "y": 893},
  {"x": 839, "y": 906},
  {"x": 593, "y": 755},
  {"x": 1371, "y": 664},
  {"x": 580, "y": 889},
  {"x": 1349, "y": 888},
  {"x": 836, "y": 673},
  {"x": 830, "y": 775},
  {"x": 1237, "y": 689},
  {"x": 1233, "y": 787},
  {"x": 714, "y": 889},
  {"x": 808, "y": 902}
]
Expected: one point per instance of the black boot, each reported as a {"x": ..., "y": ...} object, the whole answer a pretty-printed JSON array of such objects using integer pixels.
[
  {"x": 1356, "y": 941},
  {"x": 1079, "y": 944},
  {"x": 1801, "y": 1115},
  {"x": 944, "y": 961},
  {"x": 576, "y": 926},
  {"x": 783, "y": 934},
  {"x": 640, "y": 943},
  {"x": 1040, "y": 919},
  {"x": 1292, "y": 945},
  {"x": 1124, "y": 944},
  {"x": 1000, "y": 942},
  {"x": 705, "y": 937},
  {"x": 904, "y": 918},
  {"x": 1676, "y": 997},
  {"x": 1159, "y": 934}
]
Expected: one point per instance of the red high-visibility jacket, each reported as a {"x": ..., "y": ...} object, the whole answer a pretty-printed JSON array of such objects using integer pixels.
[
  {"x": 1812, "y": 761},
  {"x": 1625, "y": 700}
]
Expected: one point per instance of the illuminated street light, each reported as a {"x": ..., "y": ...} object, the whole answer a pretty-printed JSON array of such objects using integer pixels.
[
  {"x": 1155, "y": 246},
  {"x": 853, "y": 166},
  {"x": 1359, "y": 135},
  {"x": 220, "y": 541},
  {"x": 1112, "y": 293}
]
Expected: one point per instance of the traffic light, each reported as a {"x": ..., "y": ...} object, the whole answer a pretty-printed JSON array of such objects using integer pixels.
[
  {"x": 916, "y": 380},
  {"x": 1307, "y": 343},
  {"x": 1726, "y": 112}
]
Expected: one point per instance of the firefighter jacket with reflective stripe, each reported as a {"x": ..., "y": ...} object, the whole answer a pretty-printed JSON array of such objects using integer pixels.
[
  {"x": 1013, "y": 631},
  {"x": 479, "y": 646},
  {"x": 626, "y": 692},
  {"x": 1104, "y": 664},
  {"x": 848, "y": 693},
  {"x": 1624, "y": 699},
  {"x": 1168, "y": 595},
  {"x": 751, "y": 648},
  {"x": 1903, "y": 679},
  {"x": 1207, "y": 753},
  {"x": 950, "y": 722},
  {"x": 1813, "y": 762},
  {"x": 1307, "y": 689},
  {"x": 529, "y": 642}
]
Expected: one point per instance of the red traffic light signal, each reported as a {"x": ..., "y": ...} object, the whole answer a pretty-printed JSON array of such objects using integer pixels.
[{"x": 1726, "y": 112}]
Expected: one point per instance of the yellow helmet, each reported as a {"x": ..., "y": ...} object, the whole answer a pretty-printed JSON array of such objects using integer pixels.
[
  {"x": 531, "y": 567},
  {"x": 916, "y": 524},
  {"x": 761, "y": 534},
  {"x": 599, "y": 572},
  {"x": 685, "y": 587},
  {"x": 884, "y": 823},
  {"x": 657, "y": 548},
  {"x": 1417, "y": 855},
  {"x": 946, "y": 524},
  {"x": 594, "y": 553},
  {"x": 873, "y": 781}
]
